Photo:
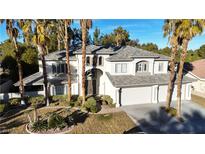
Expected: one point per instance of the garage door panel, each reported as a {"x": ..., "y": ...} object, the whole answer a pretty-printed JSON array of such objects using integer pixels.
[
  {"x": 138, "y": 95},
  {"x": 163, "y": 93}
]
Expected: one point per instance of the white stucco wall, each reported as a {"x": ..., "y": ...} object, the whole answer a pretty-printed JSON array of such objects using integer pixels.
[{"x": 198, "y": 85}]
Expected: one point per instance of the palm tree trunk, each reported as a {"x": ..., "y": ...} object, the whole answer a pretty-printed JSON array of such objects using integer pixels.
[
  {"x": 180, "y": 75},
  {"x": 20, "y": 71},
  {"x": 21, "y": 86},
  {"x": 45, "y": 80},
  {"x": 59, "y": 42},
  {"x": 84, "y": 33},
  {"x": 67, "y": 45},
  {"x": 172, "y": 76}
]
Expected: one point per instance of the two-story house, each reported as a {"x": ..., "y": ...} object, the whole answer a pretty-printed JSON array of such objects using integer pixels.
[{"x": 128, "y": 74}]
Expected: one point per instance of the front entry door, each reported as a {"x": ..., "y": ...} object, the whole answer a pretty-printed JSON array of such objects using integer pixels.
[{"x": 91, "y": 87}]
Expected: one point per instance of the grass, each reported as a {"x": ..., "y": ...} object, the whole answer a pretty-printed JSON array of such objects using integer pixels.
[
  {"x": 114, "y": 123},
  {"x": 199, "y": 100},
  {"x": 118, "y": 122}
]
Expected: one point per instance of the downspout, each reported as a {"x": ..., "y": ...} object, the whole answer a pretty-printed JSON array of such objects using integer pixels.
[{"x": 120, "y": 93}]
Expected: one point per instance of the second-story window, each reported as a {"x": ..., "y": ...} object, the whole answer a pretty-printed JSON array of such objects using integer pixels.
[
  {"x": 142, "y": 66},
  {"x": 100, "y": 61},
  {"x": 120, "y": 68},
  {"x": 88, "y": 61},
  {"x": 58, "y": 68},
  {"x": 161, "y": 67}
]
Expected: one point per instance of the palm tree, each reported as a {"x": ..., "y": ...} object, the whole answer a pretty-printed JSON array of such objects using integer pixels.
[
  {"x": 121, "y": 36},
  {"x": 186, "y": 30},
  {"x": 40, "y": 38},
  {"x": 13, "y": 34},
  {"x": 169, "y": 30},
  {"x": 85, "y": 24},
  {"x": 67, "y": 39}
]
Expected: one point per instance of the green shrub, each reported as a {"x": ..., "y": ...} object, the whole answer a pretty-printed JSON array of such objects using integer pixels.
[
  {"x": 72, "y": 104},
  {"x": 80, "y": 100},
  {"x": 56, "y": 121},
  {"x": 74, "y": 98},
  {"x": 59, "y": 98},
  {"x": 2, "y": 107},
  {"x": 36, "y": 100},
  {"x": 91, "y": 105},
  {"x": 39, "y": 126},
  {"x": 14, "y": 101},
  {"x": 106, "y": 99}
]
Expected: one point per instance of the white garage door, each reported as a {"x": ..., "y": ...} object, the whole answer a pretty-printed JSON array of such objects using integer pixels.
[
  {"x": 163, "y": 93},
  {"x": 140, "y": 95}
]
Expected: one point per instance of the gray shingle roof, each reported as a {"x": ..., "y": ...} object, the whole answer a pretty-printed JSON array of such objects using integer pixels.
[
  {"x": 96, "y": 49},
  {"x": 128, "y": 53},
  {"x": 32, "y": 79},
  {"x": 59, "y": 55},
  {"x": 37, "y": 79},
  {"x": 120, "y": 81}
]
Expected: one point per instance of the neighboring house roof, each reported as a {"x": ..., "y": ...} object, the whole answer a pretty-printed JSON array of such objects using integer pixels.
[
  {"x": 120, "y": 81},
  {"x": 94, "y": 49},
  {"x": 59, "y": 55},
  {"x": 128, "y": 53},
  {"x": 37, "y": 79},
  {"x": 198, "y": 68}
]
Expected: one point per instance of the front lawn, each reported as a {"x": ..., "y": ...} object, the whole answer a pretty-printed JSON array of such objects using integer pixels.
[
  {"x": 118, "y": 122},
  {"x": 199, "y": 100}
]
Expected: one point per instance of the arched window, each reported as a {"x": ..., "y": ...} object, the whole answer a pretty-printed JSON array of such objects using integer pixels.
[
  {"x": 87, "y": 61},
  {"x": 95, "y": 60},
  {"x": 100, "y": 61},
  {"x": 142, "y": 66}
]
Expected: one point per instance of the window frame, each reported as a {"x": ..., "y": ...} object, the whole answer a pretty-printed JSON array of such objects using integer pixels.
[{"x": 119, "y": 68}]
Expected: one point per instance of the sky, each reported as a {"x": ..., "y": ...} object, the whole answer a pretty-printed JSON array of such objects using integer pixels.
[{"x": 145, "y": 30}]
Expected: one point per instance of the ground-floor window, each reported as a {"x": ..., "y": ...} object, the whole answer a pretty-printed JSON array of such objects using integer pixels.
[{"x": 59, "y": 90}]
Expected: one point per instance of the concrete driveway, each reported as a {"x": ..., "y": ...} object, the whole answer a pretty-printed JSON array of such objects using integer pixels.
[{"x": 152, "y": 119}]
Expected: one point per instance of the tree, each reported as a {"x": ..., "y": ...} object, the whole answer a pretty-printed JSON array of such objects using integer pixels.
[
  {"x": 169, "y": 30},
  {"x": 67, "y": 38},
  {"x": 150, "y": 47},
  {"x": 121, "y": 36},
  {"x": 85, "y": 24},
  {"x": 77, "y": 38},
  {"x": 201, "y": 51},
  {"x": 186, "y": 30},
  {"x": 107, "y": 40},
  {"x": 13, "y": 33},
  {"x": 96, "y": 36},
  {"x": 40, "y": 30}
]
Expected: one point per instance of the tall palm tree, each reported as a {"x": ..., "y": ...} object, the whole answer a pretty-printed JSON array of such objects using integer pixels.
[
  {"x": 13, "y": 33},
  {"x": 169, "y": 30},
  {"x": 186, "y": 29},
  {"x": 40, "y": 38},
  {"x": 67, "y": 39},
  {"x": 85, "y": 24}
]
